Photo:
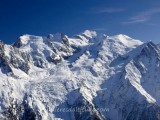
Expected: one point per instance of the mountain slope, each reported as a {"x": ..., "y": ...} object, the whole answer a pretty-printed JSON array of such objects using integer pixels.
[{"x": 90, "y": 76}]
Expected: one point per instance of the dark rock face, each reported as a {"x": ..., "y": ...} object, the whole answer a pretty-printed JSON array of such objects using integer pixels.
[
  {"x": 151, "y": 113},
  {"x": 7, "y": 63},
  {"x": 150, "y": 49},
  {"x": 84, "y": 109},
  {"x": 28, "y": 113},
  {"x": 20, "y": 112},
  {"x": 4, "y": 61},
  {"x": 87, "y": 111},
  {"x": 18, "y": 43}
]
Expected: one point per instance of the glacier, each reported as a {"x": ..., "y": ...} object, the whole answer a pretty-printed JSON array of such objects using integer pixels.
[{"x": 90, "y": 76}]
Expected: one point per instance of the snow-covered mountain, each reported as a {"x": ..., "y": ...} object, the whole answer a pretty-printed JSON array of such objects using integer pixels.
[{"x": 90, "y": 76}]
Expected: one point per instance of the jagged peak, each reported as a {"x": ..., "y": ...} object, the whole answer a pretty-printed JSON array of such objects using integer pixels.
[
  {"x": 149, "y": 48},
  {"x": 1, "y": 43},
  {"x": 150, "y": 43},
  {"x": 89, "y": 33},
  {"x": 58, "y": 37},
  {"x": 25, "y": 39},
  {"x": 50, "y": 36}
]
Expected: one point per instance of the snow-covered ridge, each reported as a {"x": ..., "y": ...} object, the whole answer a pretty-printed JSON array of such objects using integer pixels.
[
  {"x": 115, "y": 77},
  {"x": 46, "y": 51},
  {"x": 126, "y": 40}
]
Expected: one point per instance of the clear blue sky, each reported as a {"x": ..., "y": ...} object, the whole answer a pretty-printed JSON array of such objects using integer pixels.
[{"x": 139, "y": 19}]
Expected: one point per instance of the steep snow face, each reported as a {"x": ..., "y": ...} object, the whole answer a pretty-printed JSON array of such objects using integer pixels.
[
  {"x": 47, "y": 78},
  {"x": 148, "y": 64},
  {"x": 132, "y": 85}
]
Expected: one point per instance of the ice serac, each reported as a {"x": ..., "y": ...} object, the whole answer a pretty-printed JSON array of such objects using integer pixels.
[{"x": 89, "y": 76}]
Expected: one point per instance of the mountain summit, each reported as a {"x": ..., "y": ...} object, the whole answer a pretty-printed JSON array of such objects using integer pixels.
[{"x": 90, "y": 76}]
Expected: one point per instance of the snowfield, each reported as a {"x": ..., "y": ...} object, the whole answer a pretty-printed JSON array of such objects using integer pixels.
[{"x": 90, "y": 76}]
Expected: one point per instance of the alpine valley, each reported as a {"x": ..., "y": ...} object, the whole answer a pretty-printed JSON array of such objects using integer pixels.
[{"x": 90, "y": 76}]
